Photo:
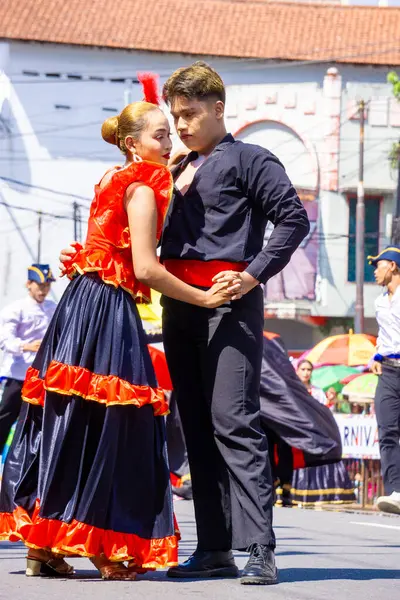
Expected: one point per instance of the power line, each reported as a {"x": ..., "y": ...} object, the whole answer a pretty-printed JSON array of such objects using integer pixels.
[
  {"x": 37, "y": 212},
  {"x": 67, "y": 128},
  {"x": 367, "y": 149},
  {"x": 77, "y": 107},
  {"x": 313, "y": 127},
  {"x": 22, "y": 228},
  {"x": 340, "y": 154},
  {"x": 41, "y": 196},
  {"x": 52, "y": 129},
  {"x": 287, "y": 161},
  {"x": 44, "y": 189},
  {"x": 316, "y": 236}
]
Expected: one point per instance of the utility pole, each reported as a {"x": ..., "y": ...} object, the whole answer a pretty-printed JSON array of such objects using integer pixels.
[
  {"x": 396, "y": 217},
  {"x": 39, "y": 245},
  {"x": 128, "y": 94},
  {"x": 77, "y": 222},
  {"x": 360, "y": 231}
]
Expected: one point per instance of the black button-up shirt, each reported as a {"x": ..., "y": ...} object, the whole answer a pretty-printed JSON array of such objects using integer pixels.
[{"x": 225, "y": 210}]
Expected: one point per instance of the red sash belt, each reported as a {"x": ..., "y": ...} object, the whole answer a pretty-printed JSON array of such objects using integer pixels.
[{"x": 198, "y": 272}]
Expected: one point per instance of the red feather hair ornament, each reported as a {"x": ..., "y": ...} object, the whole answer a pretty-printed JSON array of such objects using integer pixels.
[{"x": 149, "y": 83}]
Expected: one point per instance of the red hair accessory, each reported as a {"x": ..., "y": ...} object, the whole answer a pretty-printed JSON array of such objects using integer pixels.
[{"x": 149, "y": 83}]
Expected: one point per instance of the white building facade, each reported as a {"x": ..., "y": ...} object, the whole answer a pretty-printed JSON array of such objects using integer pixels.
[{"x": 54, "y": 98}]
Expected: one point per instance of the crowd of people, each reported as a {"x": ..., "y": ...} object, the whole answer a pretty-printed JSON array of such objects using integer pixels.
[{"x": 90, "y": 442}]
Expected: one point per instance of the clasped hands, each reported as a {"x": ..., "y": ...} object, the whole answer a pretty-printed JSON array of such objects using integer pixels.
[{"x": 231, "y": 285}]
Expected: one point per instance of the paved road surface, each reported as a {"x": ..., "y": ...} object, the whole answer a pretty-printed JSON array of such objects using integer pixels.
[{"x": 320, "y": 555}]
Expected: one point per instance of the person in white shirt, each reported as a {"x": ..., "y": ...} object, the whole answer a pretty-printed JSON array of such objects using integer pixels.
[
  {"x": 387, "y": 366},
  {"x": 23, "y": 324}
]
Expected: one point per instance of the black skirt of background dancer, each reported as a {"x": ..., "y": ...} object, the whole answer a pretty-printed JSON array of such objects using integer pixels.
[{"x": 291, "y": 414}]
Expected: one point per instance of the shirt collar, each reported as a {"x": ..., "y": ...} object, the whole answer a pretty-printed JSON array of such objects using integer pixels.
[
  {"x": 385, "y": 296},
  {"x": 34, "y": 302},
  {"x": 396, "y": 295},
  {"x": 224, "y": 143}
]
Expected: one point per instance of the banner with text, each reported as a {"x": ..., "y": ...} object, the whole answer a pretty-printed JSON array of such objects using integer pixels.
[{"x": 359, "y": 434}]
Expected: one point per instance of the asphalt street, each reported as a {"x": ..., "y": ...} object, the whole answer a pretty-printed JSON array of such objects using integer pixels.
[{"x": 320, "y": 555}]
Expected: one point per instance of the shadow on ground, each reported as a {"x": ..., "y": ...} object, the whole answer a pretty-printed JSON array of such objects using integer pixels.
[
  {"x": 296, "y": 575},
  {"x": 310, "y": 574}
]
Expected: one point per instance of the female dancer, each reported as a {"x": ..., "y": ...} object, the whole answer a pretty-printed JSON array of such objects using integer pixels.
[
  {"x": 326, "y": 483},
  {"x": 99, "y": 487}
]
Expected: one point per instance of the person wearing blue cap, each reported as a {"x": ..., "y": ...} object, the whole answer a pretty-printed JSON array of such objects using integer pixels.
[
  {"x": 387, "y": 366},
  {"x": 23, "y": 324}
]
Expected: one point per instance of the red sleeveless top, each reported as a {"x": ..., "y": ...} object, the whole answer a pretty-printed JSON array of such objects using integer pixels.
[{"x": 107, "y": 248}]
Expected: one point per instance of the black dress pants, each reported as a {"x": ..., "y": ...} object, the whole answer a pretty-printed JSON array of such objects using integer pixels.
[
  {"x": 214, "y": 357},
  {"x": 10, "y": 406},
  {"x": 176, "y": 445},
  {"x": 387, "y": 409}
]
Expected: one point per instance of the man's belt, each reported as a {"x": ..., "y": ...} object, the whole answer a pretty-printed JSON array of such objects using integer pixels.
[
  {"x": 391, "y": 362},
  {"x": 198, "y": 272}
]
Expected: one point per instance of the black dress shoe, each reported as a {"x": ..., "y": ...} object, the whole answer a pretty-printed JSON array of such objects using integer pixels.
[
  {"x": 260, "y": 568},
  {"x": 203, "y": 564}
]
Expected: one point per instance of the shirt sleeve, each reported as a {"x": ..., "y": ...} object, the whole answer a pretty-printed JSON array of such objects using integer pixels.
[
  {"x": 268, "y": 186},
  {"x": 378, "y": 346},
  {"x": 9, "y": 340}
]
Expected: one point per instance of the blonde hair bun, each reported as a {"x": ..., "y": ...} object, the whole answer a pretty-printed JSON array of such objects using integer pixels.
[
  {"x": 130, "y": 122},
  {"x": 109, "y": 130}
]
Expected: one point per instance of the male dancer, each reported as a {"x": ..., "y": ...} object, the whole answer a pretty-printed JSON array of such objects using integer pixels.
[
  {"x": 387, "y": 365},
  {"x": 22, "y": 327},
  {"x": 226, "y": 192}
]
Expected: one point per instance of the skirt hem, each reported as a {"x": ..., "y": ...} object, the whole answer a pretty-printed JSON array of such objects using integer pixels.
[{"x": 80, "y": 539}]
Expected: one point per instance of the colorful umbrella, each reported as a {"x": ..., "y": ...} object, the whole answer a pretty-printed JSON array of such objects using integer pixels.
[
  {"x": 326, "y": 377},
  {"x": 349, "y": 378},
  {"x": 363, "y": 386},
  {"x": 350, "y": 349}
]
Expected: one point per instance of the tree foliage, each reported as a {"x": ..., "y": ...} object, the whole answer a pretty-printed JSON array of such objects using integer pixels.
[
  {"x": 393, "y": 78},
  {"x": 394, "y": 154}
]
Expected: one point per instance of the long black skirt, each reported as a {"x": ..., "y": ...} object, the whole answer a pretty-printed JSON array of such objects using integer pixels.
[
  {"x": 289, "y": 413},
  {"x": 87, "y": 472},
  {"x": 324, "y": 484}
]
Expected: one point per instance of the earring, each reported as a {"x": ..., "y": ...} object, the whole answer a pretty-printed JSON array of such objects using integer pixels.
[{"x": 137, "y": 158}]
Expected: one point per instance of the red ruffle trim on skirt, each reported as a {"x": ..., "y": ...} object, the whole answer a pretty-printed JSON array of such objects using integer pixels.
[
  {"x": 80, "y": 539},
  {"x": 78, "y": 381}
]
